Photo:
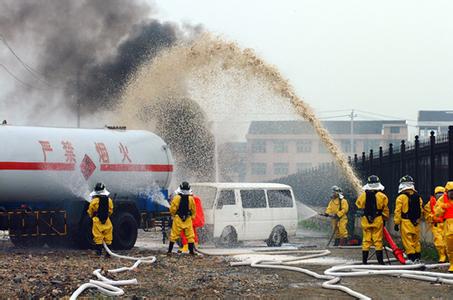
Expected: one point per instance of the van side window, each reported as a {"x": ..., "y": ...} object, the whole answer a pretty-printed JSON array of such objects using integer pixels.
[
  {"x": 226, "y": 197},
  {"x": 280, "y": 198},
  {"x": 253, "y": 199}
]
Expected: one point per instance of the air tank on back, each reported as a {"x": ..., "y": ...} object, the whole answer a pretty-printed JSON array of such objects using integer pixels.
[{"x": 57, "y": 164}]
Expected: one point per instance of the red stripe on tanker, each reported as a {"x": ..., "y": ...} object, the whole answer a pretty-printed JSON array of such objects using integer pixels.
[
  {"x": 136, "y": 168},
  {"x": 35, "y": 166},
  {"x": 127, "y": 161}
]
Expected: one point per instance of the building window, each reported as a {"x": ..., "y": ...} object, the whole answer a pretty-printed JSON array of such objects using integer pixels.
[
  {"x": 303, "y": 146},
  {"x": 258, "y": 146},
  {"x": 258, "y": 169},
  {"x": 371, "y": 144},
  {"x": 395, "y": 129},
  {"x": 280, "y": 146},
  {"x": 345, "y": 145},
  {"x": 322, "y": 148},
  {"x": 281, "y": 169},
  {"x": 303, "y": 166}
]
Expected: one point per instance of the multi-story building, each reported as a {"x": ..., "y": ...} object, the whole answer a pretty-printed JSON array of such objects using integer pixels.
[
  {"x": 279, "y": 148},
  {"x": 437, "y": 121}
]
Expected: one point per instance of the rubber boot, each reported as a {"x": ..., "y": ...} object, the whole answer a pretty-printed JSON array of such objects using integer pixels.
[
  {"x": 336, "y": 242},
  {"x": 380, "y": 257},
  {"x": 411, "y": 257},
  {"x": 99, "y": 250},
  {"x": 107, "y": 255},
  {"x": 191, "y": 246},
  {"x": 365, "y": 257},
  {"x": 417, "y": 257},
  {"x": 343, "y": 242},
  {"x": 170, "y": 247},
  {"x": 442, "y": 254}
]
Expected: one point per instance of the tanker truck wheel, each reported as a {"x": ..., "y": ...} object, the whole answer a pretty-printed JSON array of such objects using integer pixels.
[
  {"x": 124, "y": 231},
  {"x": 27, "y": 242}
]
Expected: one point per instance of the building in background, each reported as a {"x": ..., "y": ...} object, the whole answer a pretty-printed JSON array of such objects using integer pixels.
[
  {"x": 431, "y": 120},
  {"x": 275, "y": 149}
]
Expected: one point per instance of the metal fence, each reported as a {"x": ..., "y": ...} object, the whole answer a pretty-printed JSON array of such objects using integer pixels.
[{"x": 429, "y": 162}]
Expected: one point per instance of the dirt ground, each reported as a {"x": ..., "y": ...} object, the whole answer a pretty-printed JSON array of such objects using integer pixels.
[{"x": 56, "y": 273}]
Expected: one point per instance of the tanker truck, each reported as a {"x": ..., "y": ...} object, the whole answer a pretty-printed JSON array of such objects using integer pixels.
[{"x": 46, "y": 175}]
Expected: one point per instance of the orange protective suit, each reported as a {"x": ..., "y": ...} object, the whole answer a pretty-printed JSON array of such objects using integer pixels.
[{"x": 197, "y": 222}]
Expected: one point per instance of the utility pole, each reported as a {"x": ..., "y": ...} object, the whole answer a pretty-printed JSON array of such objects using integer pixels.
[
  {"x": 78, "y": 98},
  {"x": 352, "y": 115}
]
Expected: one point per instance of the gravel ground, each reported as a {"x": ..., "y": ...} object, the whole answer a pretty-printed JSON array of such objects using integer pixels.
[{"x": 50, "y": 273}]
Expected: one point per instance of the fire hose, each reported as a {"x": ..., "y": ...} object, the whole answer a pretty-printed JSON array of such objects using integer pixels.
[
  {"x": 110, "y": 287},
  {"x": 333, "y": 275}
]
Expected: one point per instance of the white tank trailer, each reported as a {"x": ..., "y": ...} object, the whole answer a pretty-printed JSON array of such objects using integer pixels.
[{"x": 46, "y": 175}]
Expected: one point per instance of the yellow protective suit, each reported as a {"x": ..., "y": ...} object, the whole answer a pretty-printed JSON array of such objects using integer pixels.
[
  {"x": 180, "y": 225},
  {"x": 339, "y": 224},
  {"x": 372, "y": 233},
  {"x": 410, "y": 233},
  {"x": 437, "y": 228},
  {"x": 442, "y": 209},
  {"x": 101, "y": 232}
]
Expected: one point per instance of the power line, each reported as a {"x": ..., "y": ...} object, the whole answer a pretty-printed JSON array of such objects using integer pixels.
[
  {"x": 384, "y": 116},
  {"x": 18, "y": 79},
  {"x": 31, "y": 70}
]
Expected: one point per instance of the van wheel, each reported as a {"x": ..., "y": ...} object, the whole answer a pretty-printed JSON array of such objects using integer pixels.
[
  {"x": 125, "y": 231},
  {"x": 228, "y": 238},
  {"x": 277, "y": 237}
]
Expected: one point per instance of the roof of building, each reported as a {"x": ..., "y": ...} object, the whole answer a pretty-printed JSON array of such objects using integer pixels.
[
  {"x": 240, "y": 185},
  {"x": 435, "y": 116},
  {"x": 334, "y": 127}
]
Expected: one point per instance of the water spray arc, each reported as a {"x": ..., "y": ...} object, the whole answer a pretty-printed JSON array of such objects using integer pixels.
[{"x": 157, "y": 79}]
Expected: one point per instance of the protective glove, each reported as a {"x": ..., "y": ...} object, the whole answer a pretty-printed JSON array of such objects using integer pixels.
[{"x": 396, "y": 227}]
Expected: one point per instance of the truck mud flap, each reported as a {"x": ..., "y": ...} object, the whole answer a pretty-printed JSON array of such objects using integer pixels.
[{"x": 34, "y": 223}]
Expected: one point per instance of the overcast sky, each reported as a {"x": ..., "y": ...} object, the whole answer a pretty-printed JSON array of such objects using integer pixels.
[{"x": 389, "y": 57}]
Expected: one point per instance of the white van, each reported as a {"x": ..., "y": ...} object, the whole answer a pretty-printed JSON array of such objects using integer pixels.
[{"x": 248, "y": 211}]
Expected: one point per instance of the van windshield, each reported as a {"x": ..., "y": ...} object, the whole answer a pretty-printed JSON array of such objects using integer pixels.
[{"x": 207, "y": 195}]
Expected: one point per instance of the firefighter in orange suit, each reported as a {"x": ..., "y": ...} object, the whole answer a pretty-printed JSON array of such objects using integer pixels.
[
  {"x": 100, "y": 210},
  {"x": 444, "y": 209},
  {"x": 197, "y": 222},
  {"x": 182, "y": 210},
  {"x": 436, "y": 224}
]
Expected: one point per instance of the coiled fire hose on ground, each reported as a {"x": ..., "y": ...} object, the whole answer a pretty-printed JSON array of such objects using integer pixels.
[
  {"x": 334, "y": 274},
  {"x": 110, "y": 287}
]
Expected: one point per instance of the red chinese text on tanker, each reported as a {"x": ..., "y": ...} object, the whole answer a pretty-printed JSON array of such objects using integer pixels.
[
  {"x": 69, "y": 152},
  {"x": 125, "y": 152},
  {"x": 45, "y": 145},
  {"x": 101, "y": 149}
]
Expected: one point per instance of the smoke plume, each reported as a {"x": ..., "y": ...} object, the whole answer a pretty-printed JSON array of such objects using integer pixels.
[{"x": 82, "y": 51}]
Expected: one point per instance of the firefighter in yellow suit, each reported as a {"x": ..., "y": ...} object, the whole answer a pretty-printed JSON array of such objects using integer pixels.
[
  {"x": 337, "y": 209},
  {"x": 408, "y": 214},
  {"x": 100, "y": 210},
  {"x": 436, "y": 224},
  {"x": 444, "y": 209},
  {"x": 182, "y": 210},
  {"x": 374, "y": 204}
]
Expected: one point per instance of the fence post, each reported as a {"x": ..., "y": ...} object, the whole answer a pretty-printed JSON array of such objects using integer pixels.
[
  {"x": 403, "y": 157},
  {"x": 363, "y": 164},
  {"x": 417, "y": 147},
  {"x": 432, "y": 158},
  {"x": 371, "y": 161},
  {"x": 450, "y": 152},
  {"x": 381, "y": 155},
  {"x": 391, "y": 169}
]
